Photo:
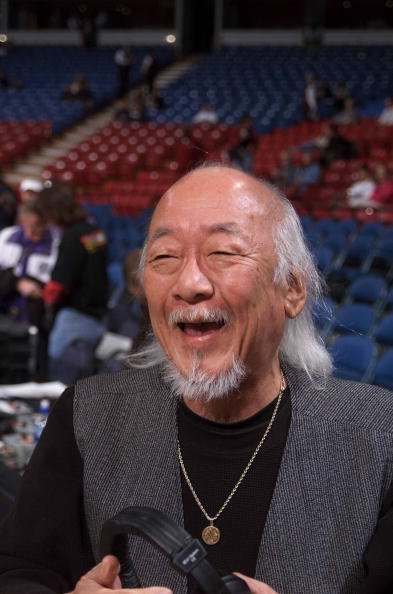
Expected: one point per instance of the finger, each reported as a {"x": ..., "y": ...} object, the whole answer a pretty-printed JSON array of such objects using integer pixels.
[
  {"x": 109, "y": 571},
  {"x": 256, "y": 586},
  {"x": 105, "y": 573}
]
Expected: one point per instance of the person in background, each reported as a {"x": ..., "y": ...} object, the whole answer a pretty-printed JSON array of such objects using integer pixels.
[
  {"x": 307, "y": 173},
  {"x": 76, "y": 295},
  {"x": 130, "y": 111},
  {"x": 360, "y": 192},
  {"x": 333, "y": 145},
  {"x": 206, "y": 115},
  {"x": 340, "y": 94},
  {"x": 129, "y": 315},
  {"x": 28, "y": 253},
  {"x": 310, "y": 97},
  {"x": 386, "y": 116},
  {"x": 79, "y": 90},
  {"x": 348, "y": 115},
  {"x": 29, "y": 188},
  {"x": 149, "y": 71},
  {"x": 284, "y": 177},
  {"x": 124, "y": 61},
  {"x": 242, "y": 151},
  {"x": 383, "y": 192}
]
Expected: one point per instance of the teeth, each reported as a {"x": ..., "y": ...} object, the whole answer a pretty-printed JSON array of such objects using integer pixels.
[{"x": 178, "y": 317}]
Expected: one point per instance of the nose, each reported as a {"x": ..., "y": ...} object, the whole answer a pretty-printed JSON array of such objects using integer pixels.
[{"x": 192, "y": 284}]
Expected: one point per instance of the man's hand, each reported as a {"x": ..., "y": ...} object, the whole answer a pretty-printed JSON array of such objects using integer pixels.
[
  {"x": 255, "y": 586},
  {"x": 104, "y": 577},
  {"x": 29, "y": 288}
]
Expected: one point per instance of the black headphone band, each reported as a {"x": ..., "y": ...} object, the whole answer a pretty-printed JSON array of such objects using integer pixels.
[{"x": 186, "y": 553}]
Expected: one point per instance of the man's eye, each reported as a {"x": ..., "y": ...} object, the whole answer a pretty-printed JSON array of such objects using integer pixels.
[
  {"x": 222, "y": 253},
  {"x": 160, "y": 257}
]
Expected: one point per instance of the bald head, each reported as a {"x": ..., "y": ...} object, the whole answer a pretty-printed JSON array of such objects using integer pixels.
[{"x": 217, "y": 188}]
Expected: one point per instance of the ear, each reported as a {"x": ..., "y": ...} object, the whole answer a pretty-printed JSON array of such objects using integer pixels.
[{"x": 295, "y": 295}]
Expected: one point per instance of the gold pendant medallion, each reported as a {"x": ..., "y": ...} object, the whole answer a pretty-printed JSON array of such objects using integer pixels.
[{"x": 211, "y": 535}]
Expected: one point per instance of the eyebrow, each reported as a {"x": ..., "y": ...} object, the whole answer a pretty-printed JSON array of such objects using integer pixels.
[
  {"x": 227, "y": 228},
  {"x": 161, "y": 232}
]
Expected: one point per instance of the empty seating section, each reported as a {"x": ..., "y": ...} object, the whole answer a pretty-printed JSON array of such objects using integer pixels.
[
  {"x": 17, "y": 138},
  {"x": 267, "y": 83},
  {"x": 45, "y": 71},
  {"x": 356, "y": 319}
]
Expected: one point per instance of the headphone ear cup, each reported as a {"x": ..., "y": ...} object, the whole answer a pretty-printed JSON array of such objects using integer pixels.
[{"x": 235, "y": 584}]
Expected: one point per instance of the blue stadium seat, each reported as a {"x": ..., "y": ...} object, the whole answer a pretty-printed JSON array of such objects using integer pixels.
[
  {"x": 354, "y": 318},
  {"x": 381, "y": 259},
  {"x": 323, "y": 258},
  {"x": 367, "y": 288},
  {"x": 358, "y": 251},
  {"x": 389, "y": 300},
  {"x": 353, "y": 357},
  {"x": 383, "y": 373},
  {"x": 384, "y": 331}
]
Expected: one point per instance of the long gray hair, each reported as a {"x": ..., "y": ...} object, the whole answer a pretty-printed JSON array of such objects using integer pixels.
[{"x": 301, "y": 346}]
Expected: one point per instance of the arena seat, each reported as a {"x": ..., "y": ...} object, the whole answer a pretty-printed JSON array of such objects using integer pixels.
[
  {"x": 354, "y": 318},
  {"x": 367, "y": 288},
  {"x": 384, "y": 331},
  {"x": 353, "y": 357},
  {"x": 383, "y": 373}
]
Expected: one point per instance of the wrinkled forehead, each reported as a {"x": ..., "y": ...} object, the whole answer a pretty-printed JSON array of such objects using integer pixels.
[{"x": 213, "y": 196}]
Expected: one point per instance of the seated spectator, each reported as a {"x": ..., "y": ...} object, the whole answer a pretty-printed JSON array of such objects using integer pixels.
[
  {"x": 206, "y": 115},
  {"x": 383, "y": 193},
  {"x": 76, "y": 295},
  {"x": 121, "y": 112},
  {"x": 29, "y": 188},
  {"x": 129, "y": 315},
  {"x": 242, "y": 153},
  {"x": 310, "y": 97},
  {"x": 77, "y": 90},
  {"x": 156, "y": 100},
  {"x": 28, "y": 253},
  {"x": 308, "y": 173},
  {"x": 340, "y": 94},
  {"x": 132, "y": 111},
  {"x": 359, "y": 193},
  {"x": 348, "y": 115},
  {"x": 149, "y": 70},
  {"x": 124, "y": 60},
  {"x": 189, "y": 153},
  {"x": 285, "y": 176},
  {"x": 334, "y": 145},
  {"x": 386, "y": 116},
  {"x": 137, "y": 109},
  {"x": 325, "y": 91}
]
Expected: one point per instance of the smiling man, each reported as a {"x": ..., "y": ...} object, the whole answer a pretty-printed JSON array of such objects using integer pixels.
[{"x": 229, "y": 421}]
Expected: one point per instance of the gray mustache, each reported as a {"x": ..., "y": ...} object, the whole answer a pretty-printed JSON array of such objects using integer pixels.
[{"x": 198, "y": 315}]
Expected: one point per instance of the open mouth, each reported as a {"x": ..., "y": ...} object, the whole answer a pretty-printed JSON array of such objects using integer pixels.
[{"x": 200, "y": 328}]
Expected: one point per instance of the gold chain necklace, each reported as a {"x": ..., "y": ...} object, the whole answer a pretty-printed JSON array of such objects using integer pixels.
[{"x": 211, "y": 534}]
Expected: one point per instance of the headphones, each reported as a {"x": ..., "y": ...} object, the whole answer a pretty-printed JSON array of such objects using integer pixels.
[{"x": 186, "y": 553}]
